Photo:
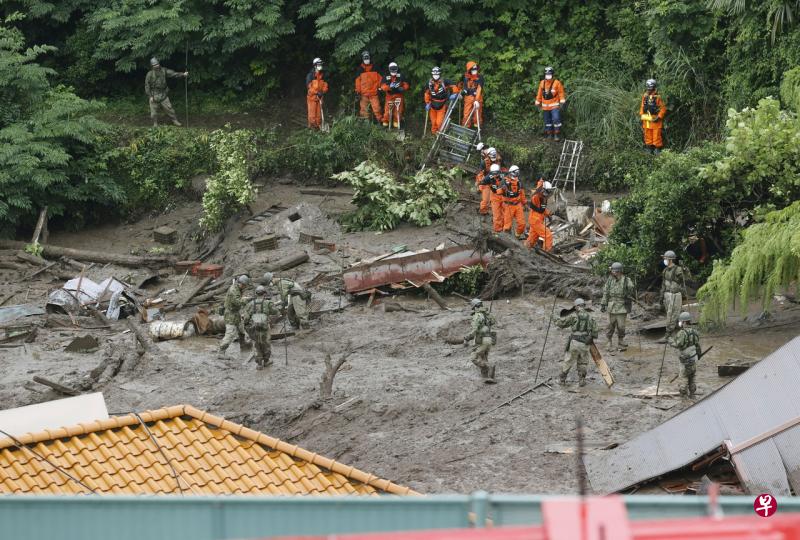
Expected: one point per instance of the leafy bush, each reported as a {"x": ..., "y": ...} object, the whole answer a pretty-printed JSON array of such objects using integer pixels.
[
  {"x": 155, "y": 165},
  {"x": 766, "y": 259},
  {"x": 382, "y": 202},
  {"x": 468, "y": 282},
  {"x": 790, "y": 89},
  {"x": 229, "y": 189}
]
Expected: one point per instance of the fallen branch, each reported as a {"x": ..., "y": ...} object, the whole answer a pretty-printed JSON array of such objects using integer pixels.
[
  {"x": 30, "y": 258},
  {"x": 200, "y": 286},
  {"x": 66, "y": 390},
  {"x": 94, "y": 256},
  {"x": 142, "y": 338},
  {"x": 326, "y": 382},
  {"x": 434, "y": 296}
]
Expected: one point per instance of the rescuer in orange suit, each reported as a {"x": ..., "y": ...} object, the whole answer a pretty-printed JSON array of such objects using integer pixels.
[
  {"x": 652, "y": 112},
  {"x": 394, "y": 88},
  {"x": 513, "y": 202},
  {"x": 437, "y": 93},
  {"x": 368, "y": 81},
  {"x": 550, "y": 98},
  {"x": 538, "y": 217},
  {"x": 316, "y": 89},
  {"x": 471, "y": 87},
  {"x": 496, "y": 197},
  {"x": 489, "y": 157}
]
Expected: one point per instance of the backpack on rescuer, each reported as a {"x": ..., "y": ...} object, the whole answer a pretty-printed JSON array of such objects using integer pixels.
[{"x": 259, "y": 320}]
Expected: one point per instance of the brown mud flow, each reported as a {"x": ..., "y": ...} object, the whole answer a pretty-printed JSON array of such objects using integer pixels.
[{"x": 406, "y": 404}]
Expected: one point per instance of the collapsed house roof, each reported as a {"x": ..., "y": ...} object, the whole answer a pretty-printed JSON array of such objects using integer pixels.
[
  {"x": 755, "y": 418},
  {"x": 414, "y": 267},
  {"x": 177, "y": 450}
]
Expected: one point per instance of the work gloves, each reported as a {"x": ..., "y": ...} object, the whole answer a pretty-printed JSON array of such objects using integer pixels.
[
  {"x": 319, "y": 95},
  {"x": 427, "y": 106},
  {"x": 453, "y": 97},
  {"x": 602, "y": 309},
  {"x": 476, "y": 104}
]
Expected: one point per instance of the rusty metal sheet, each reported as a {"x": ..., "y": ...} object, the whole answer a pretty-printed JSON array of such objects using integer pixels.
[
  {"x": 417, "y": 268},
  {"x": 762, "y": 404}
]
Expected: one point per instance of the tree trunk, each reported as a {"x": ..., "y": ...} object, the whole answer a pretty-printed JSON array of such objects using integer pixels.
[{"x": 94, "y": 256}]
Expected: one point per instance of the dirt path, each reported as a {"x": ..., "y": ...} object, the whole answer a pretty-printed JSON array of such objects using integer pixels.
[{"x": 412, "y": 406}]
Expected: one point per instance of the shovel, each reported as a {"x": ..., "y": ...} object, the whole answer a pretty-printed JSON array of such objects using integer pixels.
[
  {"x": 324, "y": 127},
  {"x": 401, "y": 133},
  {"x": 425, "y": 128}
]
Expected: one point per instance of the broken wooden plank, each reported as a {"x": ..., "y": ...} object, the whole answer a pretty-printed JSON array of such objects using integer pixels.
[
  {"x": 602, "y": 367},
  {"x": 325, "y": 192},
  {"x": 435, "y": 296},
  {"x": 66, "y": 390},
  {"x": 142, "y": 338},
  {"x": 194, "y": 292},
  {"x": 30, "y": 258},
  {"x": 39, "y": 225}
]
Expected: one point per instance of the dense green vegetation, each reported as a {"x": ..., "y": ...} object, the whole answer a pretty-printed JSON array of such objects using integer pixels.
[{"x": 59, "y": 61}]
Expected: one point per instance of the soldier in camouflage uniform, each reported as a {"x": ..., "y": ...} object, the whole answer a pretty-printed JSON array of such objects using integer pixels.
[
  {"x": 293, "y": 297},
  {"x": 482, "y": 322},
  {"x": 584, "y": 332},
  {"x": 673, "y": 291},
  {"x": 233, "y": 317},
  {"x": 155, "y": 86},
  {"x": 617, "y": 300},
  {"x": 255, "y": 317},
  {"x": 687, "y": 341}
]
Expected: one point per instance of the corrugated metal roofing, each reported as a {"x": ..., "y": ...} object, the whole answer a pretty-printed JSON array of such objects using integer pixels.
[
  {"x": 178, "y": 449},
  {"x": 756, "y": 416}
]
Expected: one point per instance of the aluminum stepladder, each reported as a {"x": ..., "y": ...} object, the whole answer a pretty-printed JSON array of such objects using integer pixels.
[
  {"x": 567, "y": 170},
  {"x": 454, "y": 143}
]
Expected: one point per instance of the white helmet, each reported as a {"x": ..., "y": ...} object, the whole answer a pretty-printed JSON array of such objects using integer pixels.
[
  {"x": 436, "y": 70},
  {"x": 479, "y": 146},
  {"x": 393, "y": 67},
  {"x": 317, "y": 61},
  {"x": 513, "y": 170},
  {"x": 547, "y": 186},
  {"x": 495, "y": 168},
  {"x": 492, "y": 152}
]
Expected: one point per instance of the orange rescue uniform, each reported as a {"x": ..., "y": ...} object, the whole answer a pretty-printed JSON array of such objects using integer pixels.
[
  {"x": 394, "y": 88},
  {"x": 496, "y": 201},
  {"x": 437, "y": 94},
  {"x": 513, "y": 205},
  {"x": 368, "y": 82},
  {"x": 316, "y": 88},
  {"x": 473, "y": 85},
  {"x": 652, "y": 111},
  {"x": 536, "y": 218},
  {"x": 484, "y": 187}
]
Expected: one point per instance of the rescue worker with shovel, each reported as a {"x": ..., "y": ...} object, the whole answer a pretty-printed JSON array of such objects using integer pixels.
[
  {"x": 316, "y": 88},
  {"x": 618, "y": 293},
  {"x": 394, "y": 88},
  {"x": 652, "y": 112},
  {"x": 437, "y": 93},
  {"x": 550, "y": 97},
  {"x": 584, "y": 332},
  {"x": 687, "y": 342},
  {"x": 495, "y": 182},
  {"x": 485, "y": 338},
  {"x": 155, "y": 86},
  {"x": 368, "y": 82},
  {"x": 255, "y": 317}
]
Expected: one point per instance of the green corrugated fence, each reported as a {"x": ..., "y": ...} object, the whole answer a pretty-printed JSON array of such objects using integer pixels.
[{"x": 106, "y": 517}]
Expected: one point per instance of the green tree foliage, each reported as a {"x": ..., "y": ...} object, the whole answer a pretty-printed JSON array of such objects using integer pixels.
[
  {"x": 766, "y": 260},
  {"x": 50, "y": 144},
  {"x": 229, "y": 189},
  {"x": 707, "y": 190},
  {"x": 790, "y": 89}
]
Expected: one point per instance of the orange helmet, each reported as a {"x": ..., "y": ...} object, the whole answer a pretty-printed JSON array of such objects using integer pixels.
[{"x": 471, "y": 65}]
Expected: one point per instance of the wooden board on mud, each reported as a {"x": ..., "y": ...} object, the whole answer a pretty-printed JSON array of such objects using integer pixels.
[{"x": 602, "y": 367}]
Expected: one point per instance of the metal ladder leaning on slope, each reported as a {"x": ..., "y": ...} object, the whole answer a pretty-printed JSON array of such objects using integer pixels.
[
  {"x": 567, "y": 171},
  {"x": 453, "y": 143}
]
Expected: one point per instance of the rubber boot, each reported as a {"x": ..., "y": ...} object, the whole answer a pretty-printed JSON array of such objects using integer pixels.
[
  {"x": 490, "y": 378},
  {"x": 562, "y": 379},
  {"x": 155, "y": 122},
  {"x": 622, "y": 345},
  {"x": 656, "y": 151},
  {"x": 484, "y": 372},
  {"x": 582, "y": 381},
  {"x": 556, "y": 137}
]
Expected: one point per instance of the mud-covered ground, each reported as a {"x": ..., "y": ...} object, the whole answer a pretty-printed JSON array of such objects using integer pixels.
[{"x": 407, "y": 405}]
